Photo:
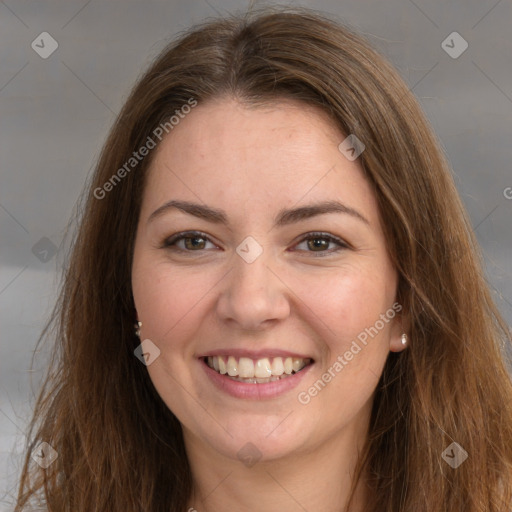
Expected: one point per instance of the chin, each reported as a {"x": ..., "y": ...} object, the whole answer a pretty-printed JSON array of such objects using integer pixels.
[{"x": 255, "y": 437}]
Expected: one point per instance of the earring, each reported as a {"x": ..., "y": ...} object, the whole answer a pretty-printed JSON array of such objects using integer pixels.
[
  {"x": 138, "y": 325},
  {"x": 404, "y": 339}
]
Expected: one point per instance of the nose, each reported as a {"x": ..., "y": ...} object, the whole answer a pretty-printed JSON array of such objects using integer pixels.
[{"x": 253, "y": 296}]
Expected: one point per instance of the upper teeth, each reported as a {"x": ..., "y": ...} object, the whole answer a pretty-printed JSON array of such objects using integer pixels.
[{"x": 260, "y": 368}]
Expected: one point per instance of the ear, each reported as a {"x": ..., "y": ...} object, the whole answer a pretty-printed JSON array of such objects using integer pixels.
[{"x": 401, "y": 326}]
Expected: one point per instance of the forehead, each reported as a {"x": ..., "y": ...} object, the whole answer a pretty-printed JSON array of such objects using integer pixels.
[
  {"x": 229, "y": 130},
  {"x": 284, "y": 153}
]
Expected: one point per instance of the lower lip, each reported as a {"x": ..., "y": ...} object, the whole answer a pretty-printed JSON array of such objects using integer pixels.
[{"x": 254, "y": 391}]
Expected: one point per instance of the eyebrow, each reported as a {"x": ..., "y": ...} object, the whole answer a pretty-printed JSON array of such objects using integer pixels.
[{"x": 283, "y": 218}]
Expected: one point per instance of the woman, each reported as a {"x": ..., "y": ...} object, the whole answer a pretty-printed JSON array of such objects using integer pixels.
[{"x": 209, "y": 358}]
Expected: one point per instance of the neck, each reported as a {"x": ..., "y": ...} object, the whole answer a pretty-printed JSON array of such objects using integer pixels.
[{"x": 319, "y": 478}]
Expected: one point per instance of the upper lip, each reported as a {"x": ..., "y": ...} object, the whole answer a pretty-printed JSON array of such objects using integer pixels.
[{"x": 253, "y": 354}]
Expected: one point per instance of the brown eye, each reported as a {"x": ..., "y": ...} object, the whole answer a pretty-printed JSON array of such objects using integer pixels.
[
  {"x": 319, "y": 243},
  {"x": 196, "y": 242},
  {"x": 192, "y": 242}
]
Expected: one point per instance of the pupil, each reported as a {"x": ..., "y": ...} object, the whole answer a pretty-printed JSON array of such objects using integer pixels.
[
  {"x": 318, "y": 242},
  {"x": 194, "y": 241}
]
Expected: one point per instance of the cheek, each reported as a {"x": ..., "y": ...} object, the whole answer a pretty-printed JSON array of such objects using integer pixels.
[
  {"x": 347, "y": 300},
  {"x": 167, "y": 298},
  {"x": 357, "y": 339},
  {"x": 168, "y": 302}
]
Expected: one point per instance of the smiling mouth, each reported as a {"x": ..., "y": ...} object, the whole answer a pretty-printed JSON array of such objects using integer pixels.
[{"x": 257, "y": 371}]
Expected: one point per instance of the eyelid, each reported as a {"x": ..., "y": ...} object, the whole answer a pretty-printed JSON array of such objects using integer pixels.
[
  {"x": 342, "y": 245},
  {"x": 328, "y": 236},
  {"x": 168, "y": 242}
]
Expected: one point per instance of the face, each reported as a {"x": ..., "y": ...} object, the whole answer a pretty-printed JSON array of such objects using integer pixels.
[{"x": 258, "y": 280}]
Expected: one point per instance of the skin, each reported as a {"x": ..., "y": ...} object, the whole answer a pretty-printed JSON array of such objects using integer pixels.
[{"x": 251, "y": 163}]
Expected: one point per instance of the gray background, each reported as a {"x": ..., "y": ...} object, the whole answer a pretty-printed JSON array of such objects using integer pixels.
[{"x": 55, "y": 114}]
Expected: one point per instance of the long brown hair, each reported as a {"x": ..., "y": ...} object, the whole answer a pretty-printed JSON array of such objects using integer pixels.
[{"x": 120, "y": 448}]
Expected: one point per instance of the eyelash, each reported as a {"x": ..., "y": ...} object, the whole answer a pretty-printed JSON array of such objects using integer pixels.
[{"x": 170, "y": 243}]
